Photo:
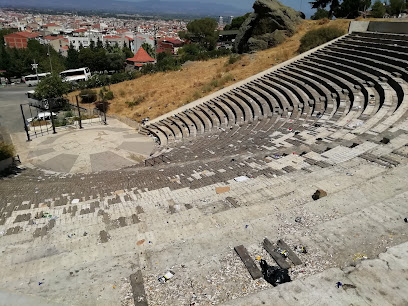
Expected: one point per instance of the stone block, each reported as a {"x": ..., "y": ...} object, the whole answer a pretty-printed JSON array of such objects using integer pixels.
[
  {"x": 219, "y": 190},
  {"x": 319, "y": 194}
]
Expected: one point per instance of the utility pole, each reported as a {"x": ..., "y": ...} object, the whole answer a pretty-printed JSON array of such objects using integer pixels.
[
  {"x": 35, "y": 66},
  {"x": 155, "y": 29},
  {"x": 49, "y": 56}
]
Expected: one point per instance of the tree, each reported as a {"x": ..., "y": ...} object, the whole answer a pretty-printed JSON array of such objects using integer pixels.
[
  {"x": 190, "y": 49},
  {"x": 108, "y": 47},
  {"x": 149, "y": 49},
  {"x": 4, "y": 60},
  {"x": 57, "y": 65},
  {"x": 397, "y": 6},
  {"x": 128, "y": 53},
  {"x": 352, "y": 8},
  {"x": 166, "y": 61},
  {"x": 99, "y": 44},
  {"x": 236, "y": 22},
  {"x": 116, "y": 61},
  {"x": 6, "y": 32},
  {"x": 378, "y": 9},
  {"x": 87, "y": 59},
  {"x": 101, "y": 60},
  {"x": 345, "y": 9},
  {"x": 17, "y": 62},
  {"x": 320, "y": 14},
  {"x": 72, "y": 60},
  {"x": 148, "y": 68},
  {"x": 203, "y": 31},
  {"x": 51, "y": 87},
  {"x": 334, "y": 5}
]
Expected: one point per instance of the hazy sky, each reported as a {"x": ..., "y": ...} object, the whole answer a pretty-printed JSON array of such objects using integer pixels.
[{"x": 298, "y": 5}]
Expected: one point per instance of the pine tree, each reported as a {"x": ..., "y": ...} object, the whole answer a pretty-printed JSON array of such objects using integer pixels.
[
  {"x": 352, "y": 8},
  {"x": 149, "y": 49},
  {"x": 72, "y": 61},
  {"x": 334, "y": 5},
  {"x": 397, "y": 7},
  {"x": 99, "y": 44},
  {"x": 378, "y": 10}
]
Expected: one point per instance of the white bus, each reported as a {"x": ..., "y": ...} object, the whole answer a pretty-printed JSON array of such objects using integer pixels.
[
  {"x": 74, "y": 75},
  {"x": 31, "y": 80}
]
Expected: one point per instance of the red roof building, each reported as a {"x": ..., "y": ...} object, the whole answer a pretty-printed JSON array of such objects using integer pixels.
[
  {"x": 170, "y": 45},
  {"x": 49, "y": 37},
  {"x": 51, "y": 25},
  {"x": 19, "y": 40},
  {"x": 112, "y": 37},
  {"x": 140, "y": 58}
]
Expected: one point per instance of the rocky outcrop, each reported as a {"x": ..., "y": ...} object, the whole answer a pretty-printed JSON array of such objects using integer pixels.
[{"x": 267, "y": 26}]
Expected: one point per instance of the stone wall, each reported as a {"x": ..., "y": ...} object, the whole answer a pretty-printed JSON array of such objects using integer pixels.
[{"x": 395, "y": 27}]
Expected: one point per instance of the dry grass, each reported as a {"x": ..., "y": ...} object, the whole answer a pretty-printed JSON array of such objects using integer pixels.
[
  {"x": 164, "y": 92},
  {"x": 42, "y": 123}
]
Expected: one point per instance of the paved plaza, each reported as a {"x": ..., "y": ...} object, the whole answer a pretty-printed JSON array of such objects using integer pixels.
[{"x": 94, "y": 148}]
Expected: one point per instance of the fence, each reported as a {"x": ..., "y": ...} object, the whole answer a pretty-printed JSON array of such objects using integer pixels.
[{"x": 48, "y": 116}]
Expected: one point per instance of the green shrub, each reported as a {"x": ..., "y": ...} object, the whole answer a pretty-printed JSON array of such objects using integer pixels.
[
  {"x": 214, "y": 83},
  {"x": 60, "y": 122},
  {"x": 6, "y": 150},
  {"x": 102, "y": 106},
  {"x": 122, "y": 93},
  {"x": 234, "y": 58},
  {"x": 88, "y": 96},
  {"x": 136, "y": 101},
  {"x": 148, "y": 68},
  {"x": 225, "y": 79},
  {"x": 109, "y": 95},
  {"x": 207, "y": 88},
  {"x": 68, "y": 114},
  {"x": 219, "y": 81},
  {"x": 196, "y": 95},
  {"x": 315, "y": 38},
  {"x": 120, "y": 77}
]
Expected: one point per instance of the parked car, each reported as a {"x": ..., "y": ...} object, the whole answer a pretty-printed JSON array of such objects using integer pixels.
[
  {"x": 44, "y": 104},
  {"x": 41, "y": 117}
]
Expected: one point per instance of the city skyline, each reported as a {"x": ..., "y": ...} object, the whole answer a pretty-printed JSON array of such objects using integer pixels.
[{"x": 171, "y": 7}]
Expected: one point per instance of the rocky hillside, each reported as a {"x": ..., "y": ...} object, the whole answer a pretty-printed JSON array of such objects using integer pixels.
[{"x": 267, "y": 26}]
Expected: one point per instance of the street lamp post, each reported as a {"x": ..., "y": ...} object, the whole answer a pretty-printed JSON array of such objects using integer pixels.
[
  {"x": 35, "y": 66},
  {"x": 49, "y": 56},
  {"x": 155, "y": 29}
]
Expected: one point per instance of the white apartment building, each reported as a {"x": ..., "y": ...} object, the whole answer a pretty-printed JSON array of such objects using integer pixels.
[{"x": 85, "y": 40}]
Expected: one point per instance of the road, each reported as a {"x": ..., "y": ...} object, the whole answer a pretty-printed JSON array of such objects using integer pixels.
[{"x": 10, "y": 114}]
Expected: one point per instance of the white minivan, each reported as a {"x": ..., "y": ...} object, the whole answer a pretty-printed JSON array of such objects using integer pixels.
[
  {"x": 75, "y": 75},
  {"x": 32, "y": 80}
]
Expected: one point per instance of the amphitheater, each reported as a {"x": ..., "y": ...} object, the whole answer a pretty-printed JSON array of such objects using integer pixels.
[{"x": 228, "y": 170}]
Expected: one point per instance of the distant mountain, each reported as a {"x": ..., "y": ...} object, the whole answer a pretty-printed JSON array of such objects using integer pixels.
[{"x": 155, "y": 7}]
